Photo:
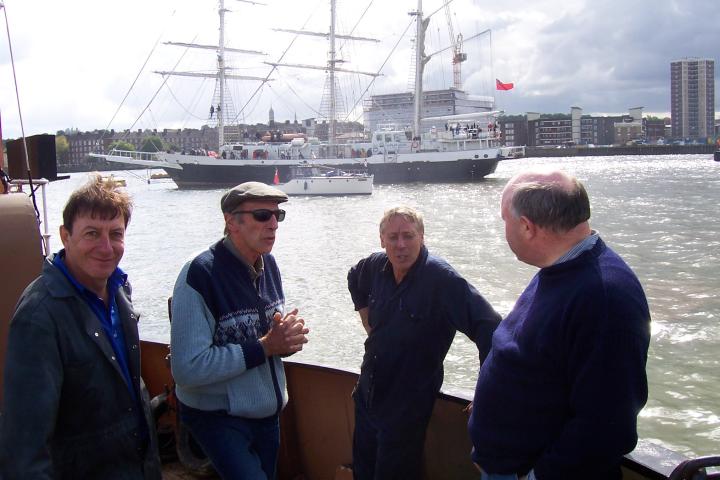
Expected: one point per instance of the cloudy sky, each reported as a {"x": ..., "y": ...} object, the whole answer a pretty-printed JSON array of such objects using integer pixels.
[{"x": 76, "y": 60}]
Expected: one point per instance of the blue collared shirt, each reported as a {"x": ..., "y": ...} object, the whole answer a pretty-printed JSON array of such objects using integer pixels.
[
  {"x": 586, "y": 244},
  {"x": 109, "y": 317}
]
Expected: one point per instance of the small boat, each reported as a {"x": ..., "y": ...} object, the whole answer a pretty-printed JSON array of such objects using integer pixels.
[
  {"x": 159, "y": 175},
  {"x": 118, "y": 182},
  {"x": 322, "y": 180}
]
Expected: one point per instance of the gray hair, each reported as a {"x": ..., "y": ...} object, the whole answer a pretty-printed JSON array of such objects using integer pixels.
[
  {"x": 409, "y": 214},
  {"x": 551, "y": 205}
]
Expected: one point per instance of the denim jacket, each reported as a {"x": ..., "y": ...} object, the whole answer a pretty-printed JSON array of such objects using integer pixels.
[{"x": 67, "y": 411}]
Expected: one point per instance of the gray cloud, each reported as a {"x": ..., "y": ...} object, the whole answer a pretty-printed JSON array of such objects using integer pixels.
[{"x": 612, "y": 55}]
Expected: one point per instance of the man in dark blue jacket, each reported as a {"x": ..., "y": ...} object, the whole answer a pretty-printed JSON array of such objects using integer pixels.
[
  {"x": 559, "y": 394},
  {"x": 74, "y": 405},
  {"x": 411, "y": 304}
]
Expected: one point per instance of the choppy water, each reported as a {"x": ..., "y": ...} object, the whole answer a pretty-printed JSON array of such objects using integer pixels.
[{"x": 659, "y": 213}]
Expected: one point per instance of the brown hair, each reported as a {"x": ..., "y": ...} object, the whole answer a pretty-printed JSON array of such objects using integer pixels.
[{"x": 100, "y": 198}]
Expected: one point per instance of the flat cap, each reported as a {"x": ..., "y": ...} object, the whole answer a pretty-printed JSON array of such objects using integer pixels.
[{"x": 250, "y": 191}]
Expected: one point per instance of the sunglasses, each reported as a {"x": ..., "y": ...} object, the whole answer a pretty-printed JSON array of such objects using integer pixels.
[{"x": 263, "y": 214}]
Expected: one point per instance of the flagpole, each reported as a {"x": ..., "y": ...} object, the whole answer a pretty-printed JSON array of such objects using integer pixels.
[{"x": 492, "y": 69}]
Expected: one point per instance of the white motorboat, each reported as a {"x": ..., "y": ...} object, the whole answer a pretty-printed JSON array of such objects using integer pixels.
[{"x": 320, "y": 180}]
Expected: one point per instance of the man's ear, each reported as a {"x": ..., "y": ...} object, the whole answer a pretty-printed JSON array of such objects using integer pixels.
[
  {"x": 228, "y": 220},
  {"x": 382, "y": 242},
  {"x": 529, "y": 229},
  {"x": 64, "y": 235}
]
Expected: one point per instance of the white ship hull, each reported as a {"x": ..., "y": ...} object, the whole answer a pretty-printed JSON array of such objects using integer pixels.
[{"x": 335, "y": 185}]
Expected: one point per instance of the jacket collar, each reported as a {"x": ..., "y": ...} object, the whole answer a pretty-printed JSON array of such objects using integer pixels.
[
  {"x": 60, "y": 285},
  {"x": 117, "y": 279}
]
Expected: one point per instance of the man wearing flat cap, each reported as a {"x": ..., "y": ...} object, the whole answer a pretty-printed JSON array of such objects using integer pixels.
[{"x": 229, "y": 329}]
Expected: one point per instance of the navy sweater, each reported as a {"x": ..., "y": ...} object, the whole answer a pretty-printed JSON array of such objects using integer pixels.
[{"x": 565, "y": 378}]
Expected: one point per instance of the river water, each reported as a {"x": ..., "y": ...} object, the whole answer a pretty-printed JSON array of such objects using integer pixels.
[{"x": 658, "y": 212}]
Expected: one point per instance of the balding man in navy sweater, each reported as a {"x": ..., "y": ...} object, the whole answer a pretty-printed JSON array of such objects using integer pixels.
[{"x": 560, "y": 391}]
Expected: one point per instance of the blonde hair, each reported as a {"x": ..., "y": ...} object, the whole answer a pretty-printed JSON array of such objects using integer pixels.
[{"x": 409, "y": 214}]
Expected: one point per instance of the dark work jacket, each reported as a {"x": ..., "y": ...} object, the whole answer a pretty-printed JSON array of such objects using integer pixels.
[
  {"x": 67, "y": 411},
  {"x": 413, "y": 325}
]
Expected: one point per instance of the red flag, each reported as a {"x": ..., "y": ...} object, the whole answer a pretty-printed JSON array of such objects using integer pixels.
[
  {"x": 276, "y": 180},
  {"x": 503, "y": 86}
]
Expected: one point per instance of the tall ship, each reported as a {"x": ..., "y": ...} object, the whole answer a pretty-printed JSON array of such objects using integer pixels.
[{"x": 462, "y": 148}]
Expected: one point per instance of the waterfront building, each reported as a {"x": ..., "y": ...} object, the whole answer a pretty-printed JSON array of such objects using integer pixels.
[
  {"x": 344, "y": 131},
  {"x": 692, "y": 98},
  {"x": 655, "y": 128},
  {"x": 606, "y": 130},
  {"x": 552, "y": 130},
  {"x": 598, "y": 130},
  {"x": 80, "y": 146},
  {"x": 559, "y": 129},
  {"x": 397, "y": 108},
  {"x": 309, "y": 125},
  {"x": 176, "y": 139},
  {"x": 575, "y": 125},
  {"x": 514, "y": 130},
  {"x": 630, "y": 130}
]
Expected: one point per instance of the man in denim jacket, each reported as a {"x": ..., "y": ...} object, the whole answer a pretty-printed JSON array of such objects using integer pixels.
[{"x": 74, "y": 404}]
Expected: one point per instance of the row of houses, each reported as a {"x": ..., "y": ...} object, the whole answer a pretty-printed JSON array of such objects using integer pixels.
[
  {"x": 82, "y": 144},
  {"x": 557, "y": 130},
  {"x": 553, "y": 130}
]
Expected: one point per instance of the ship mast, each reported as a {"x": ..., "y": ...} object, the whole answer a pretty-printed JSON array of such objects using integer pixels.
[
  {"x": 331, "y": 67},
  {"x": 420, "y": 60},
  {"x": 221, "y": 76},
  {"x": 331, "y": 77}
]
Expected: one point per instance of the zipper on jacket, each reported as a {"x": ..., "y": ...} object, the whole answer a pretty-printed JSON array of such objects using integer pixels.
[{"x": 278, "y": 394}]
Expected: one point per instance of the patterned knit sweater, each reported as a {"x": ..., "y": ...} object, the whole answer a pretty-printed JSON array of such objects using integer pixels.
[{"x": 218, "y": 317}]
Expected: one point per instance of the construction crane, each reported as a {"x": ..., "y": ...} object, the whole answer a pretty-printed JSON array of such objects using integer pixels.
[{"x": 456, "y": 44}]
